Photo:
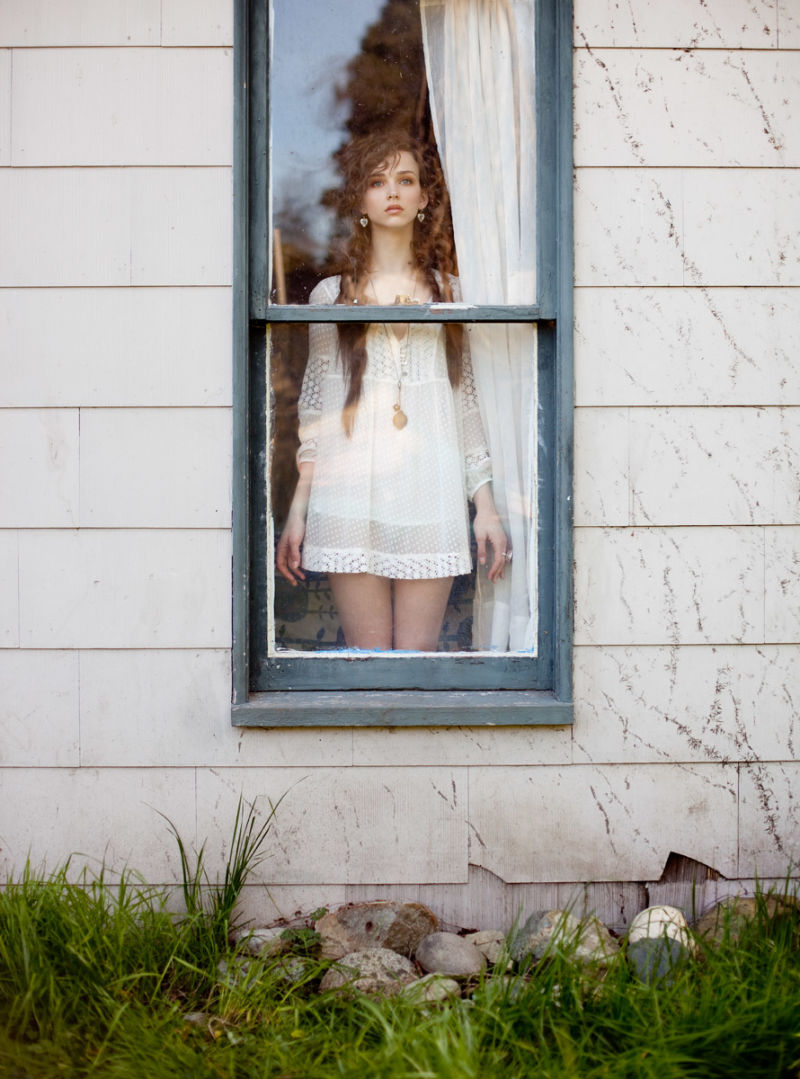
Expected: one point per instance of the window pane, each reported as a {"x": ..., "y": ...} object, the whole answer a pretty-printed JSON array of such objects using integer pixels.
[
  {"x": 337, "y": 72},
  {"x": 397, "y": 488}
]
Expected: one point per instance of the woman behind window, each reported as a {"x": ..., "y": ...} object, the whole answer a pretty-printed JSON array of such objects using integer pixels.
[{"x": 392, "y": 444}]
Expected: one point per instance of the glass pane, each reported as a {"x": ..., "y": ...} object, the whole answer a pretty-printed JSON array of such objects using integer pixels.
[
  {"x": 383, "y": 501},
  {"x": 456, "y": 77},
  {"x": 337, "y": 72}
]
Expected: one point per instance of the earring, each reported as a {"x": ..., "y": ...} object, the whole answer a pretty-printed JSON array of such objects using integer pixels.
[
  {"x": 363, "y": 221},
  {"x": 420, "y": 217}
]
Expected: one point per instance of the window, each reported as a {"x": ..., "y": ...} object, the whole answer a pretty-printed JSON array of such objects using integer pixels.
[{"x": 502, "y": 194}]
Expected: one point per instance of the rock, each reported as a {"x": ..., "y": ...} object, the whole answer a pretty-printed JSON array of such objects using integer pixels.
[
  {"x": 654, "y": 958},
  {"x": 431, "y": 989},
  {"x": 658, "y": 939},
  {"x": 595, "y": 944},
  {"x": 378, "y": 971},
  {"x": 730, "y": 915},
  {"x": 447, "y": 953},
  {"x": 657, "y": 922},
  {"x": 196, "y": 1019},
  {"x": 262, "y": 941},
  {"x": 491, "y": 943},
  {"x": 380, "y": 924},
  {"x": 558, "y": 930},
  {"x": 294, "y": 969}
]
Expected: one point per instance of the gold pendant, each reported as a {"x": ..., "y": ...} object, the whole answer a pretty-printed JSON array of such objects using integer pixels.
[{"x": 399, "y": 419}]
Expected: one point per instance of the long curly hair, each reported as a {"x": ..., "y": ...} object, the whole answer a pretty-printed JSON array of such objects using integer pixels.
[{"x": 432, "y": 250}]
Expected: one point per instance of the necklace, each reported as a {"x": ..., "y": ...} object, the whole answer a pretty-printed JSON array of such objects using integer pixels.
[{"x": 399, "y": 419}]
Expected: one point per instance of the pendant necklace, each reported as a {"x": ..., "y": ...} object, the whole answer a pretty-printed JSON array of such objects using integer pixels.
[{"x": 399, "y": 419}]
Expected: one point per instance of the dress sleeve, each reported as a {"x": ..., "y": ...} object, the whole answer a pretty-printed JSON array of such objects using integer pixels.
[
  {"x": 477, "y": 462},
  {"x": 322, "y": 345}
]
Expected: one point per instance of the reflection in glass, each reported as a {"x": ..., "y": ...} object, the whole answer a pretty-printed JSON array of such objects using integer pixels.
[
  {"x": 394, "y": 501},
  {"x": 402, "y": 426},
  {"x": 333, "y": 77}
]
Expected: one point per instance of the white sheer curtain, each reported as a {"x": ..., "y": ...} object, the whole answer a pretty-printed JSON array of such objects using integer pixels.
[{"x": 479, "y": 56}]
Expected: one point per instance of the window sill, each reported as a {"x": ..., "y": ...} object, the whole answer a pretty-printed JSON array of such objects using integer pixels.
[{"x": 414, "y": 708}]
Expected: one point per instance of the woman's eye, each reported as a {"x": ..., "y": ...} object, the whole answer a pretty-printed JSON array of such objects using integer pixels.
[{"x": 376, "y": 183}]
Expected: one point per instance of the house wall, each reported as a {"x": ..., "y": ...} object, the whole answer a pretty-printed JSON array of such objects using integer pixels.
[{"x": 115, "y": 480}]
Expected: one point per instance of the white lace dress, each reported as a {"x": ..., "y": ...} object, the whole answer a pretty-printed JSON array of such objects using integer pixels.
[{"x": 386, "y": 501}]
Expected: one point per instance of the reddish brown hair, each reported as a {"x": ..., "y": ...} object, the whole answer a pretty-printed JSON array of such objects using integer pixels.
[{"x": 431, "y": 246}]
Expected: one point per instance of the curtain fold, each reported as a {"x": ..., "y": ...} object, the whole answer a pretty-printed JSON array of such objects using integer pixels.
[{"x": 479, "y": 58}]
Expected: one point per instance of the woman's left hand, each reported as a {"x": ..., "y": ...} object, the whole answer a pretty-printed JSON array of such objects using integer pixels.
[{"x": 487, "y": 527}]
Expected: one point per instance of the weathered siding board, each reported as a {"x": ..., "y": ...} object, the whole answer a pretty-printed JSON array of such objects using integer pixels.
[
  {"x": 687, "y": 704},
  {"x": 5, "y": 107},
  {"x": 679, "y": 586},
  {"x": 155, "y": 468},
  {"x": 671, "y": 227},
  {"x": 691, "y": 24},
  {"x": 121, "y": 588},
  {"x": 110, "y": 815},
  {"x": 115, "y": 226},
  {"x": 122, "y": 23},
  {"x": 106, "y": 106},
  {"x": 39, "y": 481},
  {"x": 687, "y": 346},
  {"x": 687, "y": 466},
  {"x": 40, "y": 709},
  {"x": 95, "y": 347},
  {"x": 354, "y": 825},
  {"x": 769, "y": 817},
  {"x": 700, "y": 108},
  {"x": 9, "y": 589},
  {"x": 555, "y": 824}
]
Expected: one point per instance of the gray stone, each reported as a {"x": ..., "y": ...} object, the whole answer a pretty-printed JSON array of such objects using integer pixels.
[
  {"x": 559, "y": 931},
  {"x": 262, "y": 940},
  {"x": 654, "y": 958},
  {"x": 491, "y": 943},
  {"x": 431, "y": 989},
  {"x": 447, "y": 953},
  {"x": 377, "y": 971},
  {"x": 732, "y": 914},
  {"x": 380, "y": 924}
]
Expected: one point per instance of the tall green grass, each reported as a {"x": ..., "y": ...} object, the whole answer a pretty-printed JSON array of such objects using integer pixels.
[{"x": 97, "y": 979}]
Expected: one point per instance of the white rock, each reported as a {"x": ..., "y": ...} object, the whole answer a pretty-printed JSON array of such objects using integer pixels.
[{"x": 655, "y": 922}]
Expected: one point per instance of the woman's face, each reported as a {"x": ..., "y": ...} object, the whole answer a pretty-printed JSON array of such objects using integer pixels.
[{"x": 393, "y": 195}]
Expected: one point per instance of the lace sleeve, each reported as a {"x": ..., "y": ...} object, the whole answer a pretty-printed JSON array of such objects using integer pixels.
[
  {"x": 322, "y": 343},
  {"x": 477, "y": 462}
]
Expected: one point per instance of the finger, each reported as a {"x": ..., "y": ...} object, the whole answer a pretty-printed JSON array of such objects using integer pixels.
[
  {"x": 481, "y": 550},
  {"x": 294, "y": 560}
]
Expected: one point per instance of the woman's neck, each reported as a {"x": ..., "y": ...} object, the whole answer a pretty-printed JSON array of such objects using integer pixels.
[{"x": 391, "y": 254}]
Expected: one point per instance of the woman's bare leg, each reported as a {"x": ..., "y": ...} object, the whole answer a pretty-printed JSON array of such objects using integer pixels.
[
  {"x": 419, "y": 608},
  {"x": 364, "y": 603}
]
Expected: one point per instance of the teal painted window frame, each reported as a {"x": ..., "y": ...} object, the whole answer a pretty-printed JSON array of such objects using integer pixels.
[{"x": 408, "y": 691}]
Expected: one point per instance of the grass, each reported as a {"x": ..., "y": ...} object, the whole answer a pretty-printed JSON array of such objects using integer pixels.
[{"x": 97, "y": 979}]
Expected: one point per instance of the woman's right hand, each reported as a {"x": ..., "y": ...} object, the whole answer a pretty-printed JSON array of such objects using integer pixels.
[{"x": 287, "y": 552}]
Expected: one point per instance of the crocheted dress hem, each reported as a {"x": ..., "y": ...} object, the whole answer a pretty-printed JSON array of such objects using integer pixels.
[{"x": 401, "y": 567}]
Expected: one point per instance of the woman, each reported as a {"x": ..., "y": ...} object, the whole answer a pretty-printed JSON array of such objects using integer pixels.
[{"x": 391, "y": 438}]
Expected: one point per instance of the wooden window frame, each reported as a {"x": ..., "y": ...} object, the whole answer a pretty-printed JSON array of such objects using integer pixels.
[{"x": 401, "y": 691}]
